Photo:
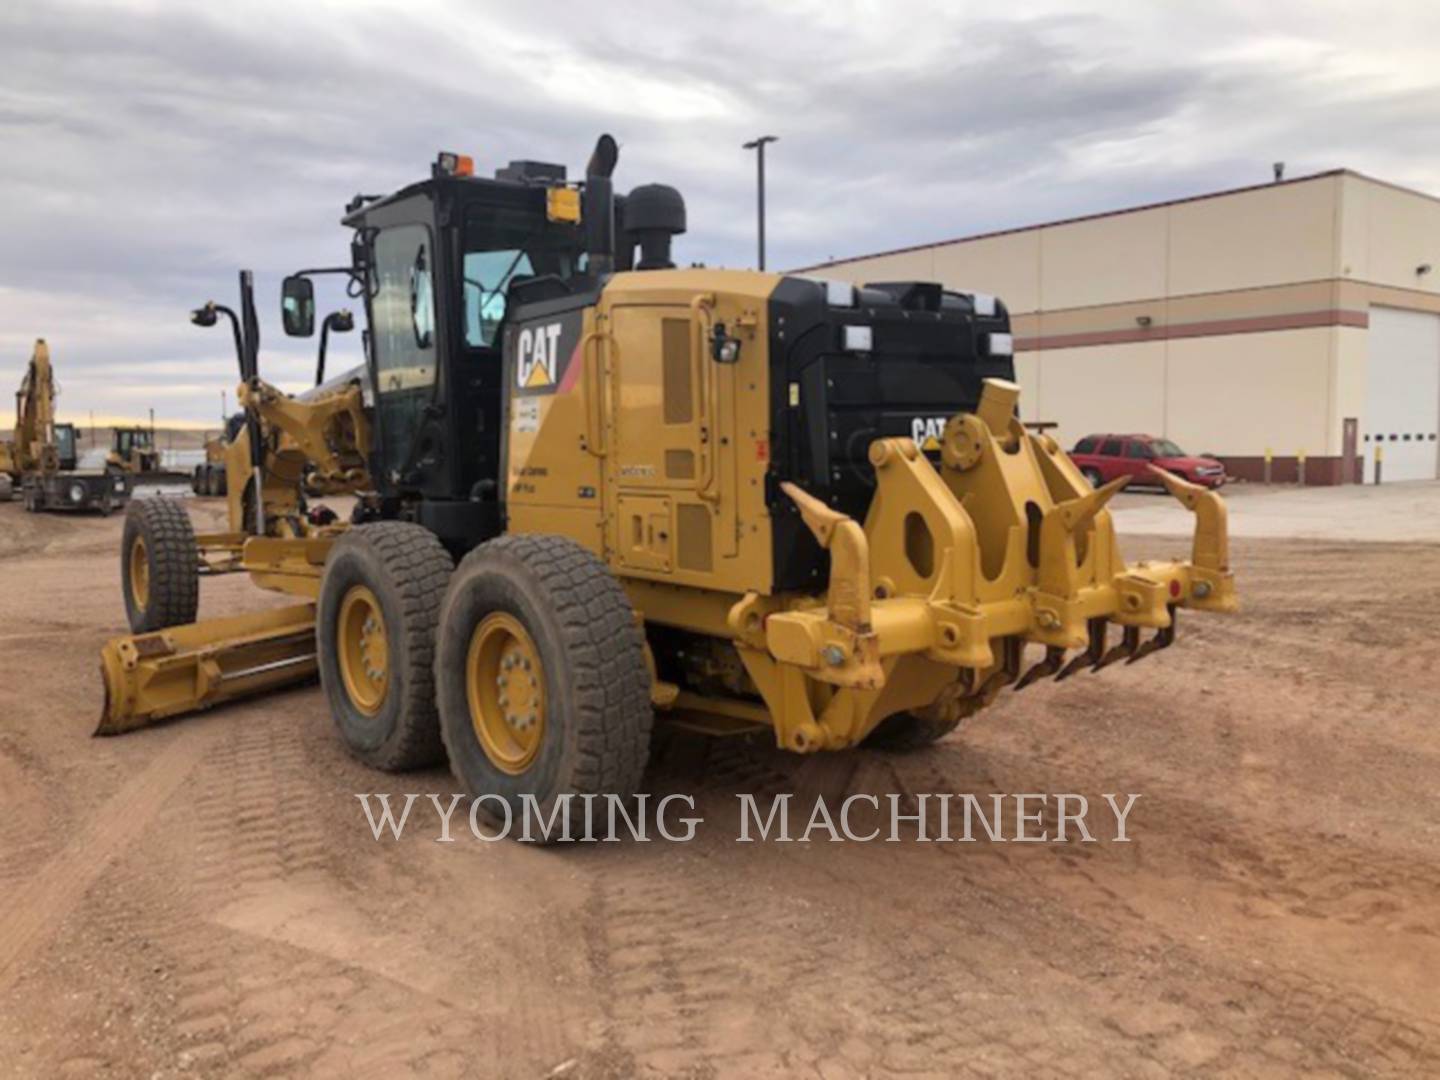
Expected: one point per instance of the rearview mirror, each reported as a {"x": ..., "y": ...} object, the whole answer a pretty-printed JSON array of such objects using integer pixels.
[{"x": 297, "y": 306}]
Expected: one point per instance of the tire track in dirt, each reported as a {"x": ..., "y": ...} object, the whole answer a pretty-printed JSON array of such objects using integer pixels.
[
  {"x": 1273, "y": 1017},
  {"x": 703, "y": 960},
  {"x": 302, "y": 948},
  {"x": 684, "y": 958},
  {"x": 36, "y": 908}
]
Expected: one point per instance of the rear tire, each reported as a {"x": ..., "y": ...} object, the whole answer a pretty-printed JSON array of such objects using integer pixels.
[
  {"x": 379, "y": 601},
  {"x": 159, "y": 565},
  {"x": 1093, "y": 475},
  {"x": 905, "y": 732},
  {"x": 580, "y": 723}
]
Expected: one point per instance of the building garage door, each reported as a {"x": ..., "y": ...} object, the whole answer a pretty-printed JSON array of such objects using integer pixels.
[{"x": 1402, "y": 404}]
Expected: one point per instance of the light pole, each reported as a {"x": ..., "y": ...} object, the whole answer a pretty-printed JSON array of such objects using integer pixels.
[{"x": 758, "y": 145}]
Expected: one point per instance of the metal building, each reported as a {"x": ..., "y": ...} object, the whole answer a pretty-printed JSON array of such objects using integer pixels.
[{"x": 1300, "y": 317}]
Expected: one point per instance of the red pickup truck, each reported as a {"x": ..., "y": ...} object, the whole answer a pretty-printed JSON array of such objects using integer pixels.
[{"x": 1104, "y": 457}]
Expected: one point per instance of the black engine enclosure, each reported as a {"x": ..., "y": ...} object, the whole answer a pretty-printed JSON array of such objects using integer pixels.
[{"x": 930, "y": 353}]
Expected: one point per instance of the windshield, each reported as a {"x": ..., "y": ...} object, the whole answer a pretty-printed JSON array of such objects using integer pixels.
[
  {"x": 1166, "y": 448},
  {"x": 503, "y": 247},
  {"x": 65, "y": 440},
  {"x": 487, "y": 275}
]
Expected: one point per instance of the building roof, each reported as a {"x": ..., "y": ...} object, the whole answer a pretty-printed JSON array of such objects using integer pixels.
[{"x": 1327, "y": 174}]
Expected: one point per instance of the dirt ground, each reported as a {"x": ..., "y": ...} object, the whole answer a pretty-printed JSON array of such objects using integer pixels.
[{"x": 206, "y": 898}]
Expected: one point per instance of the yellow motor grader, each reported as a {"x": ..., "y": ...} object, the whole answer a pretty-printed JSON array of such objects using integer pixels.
[{"x": 592, "y": 489}]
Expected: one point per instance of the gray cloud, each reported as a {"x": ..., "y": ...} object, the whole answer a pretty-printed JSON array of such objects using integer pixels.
[{"x": 152, "y": 149}]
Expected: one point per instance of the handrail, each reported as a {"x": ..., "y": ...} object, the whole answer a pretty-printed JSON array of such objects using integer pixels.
[
  {"x": 593, "y": 393},
  {"x": 700, "y": 307}
]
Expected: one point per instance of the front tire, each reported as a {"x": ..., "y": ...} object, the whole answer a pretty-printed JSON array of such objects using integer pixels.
[
  {"x": 159, "y": 565},
  {"x": 540, "y": 674},
  {"x": 375, "y": 628}
]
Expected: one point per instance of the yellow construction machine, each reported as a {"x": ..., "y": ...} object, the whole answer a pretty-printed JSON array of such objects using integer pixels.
[
  {"x": 208, "y": 477},
  {"x": 592, "y": 489},
  {"x": 132, "y": 450},
  {"x": 43, "y": 456},
  {"x": 33, "y": 447}
]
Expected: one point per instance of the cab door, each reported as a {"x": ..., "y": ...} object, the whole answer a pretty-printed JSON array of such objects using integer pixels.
[{"x": 403, "y": 325}]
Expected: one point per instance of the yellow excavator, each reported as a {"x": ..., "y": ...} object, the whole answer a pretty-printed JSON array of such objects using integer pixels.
[
  {"x": 32, "y": 447},
  {"x": 592, "y": 490},
  {"x": 42, "y": 458}
]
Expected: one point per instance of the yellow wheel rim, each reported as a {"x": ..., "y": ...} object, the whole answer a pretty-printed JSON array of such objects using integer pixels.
[
  {"x": 364, "y": 650},
  {"x": 505, "y": 685},
  {"x": 139, "y": 573}
]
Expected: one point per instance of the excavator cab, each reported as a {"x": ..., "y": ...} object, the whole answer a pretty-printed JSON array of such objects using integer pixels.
[{"x": 66, "y": 453}]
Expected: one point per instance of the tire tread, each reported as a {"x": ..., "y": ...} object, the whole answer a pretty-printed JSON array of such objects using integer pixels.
[
  {"x": 611, "y": 681},
  {"x": 169, "y": 536},
  {"x": 420, "y": 567}
]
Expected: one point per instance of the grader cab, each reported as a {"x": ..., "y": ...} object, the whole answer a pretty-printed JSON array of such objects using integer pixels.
[{"x": 734, "y": 500}]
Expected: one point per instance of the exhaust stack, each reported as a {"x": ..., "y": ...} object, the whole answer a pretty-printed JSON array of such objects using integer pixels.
[{"x": 598, "y": 206}]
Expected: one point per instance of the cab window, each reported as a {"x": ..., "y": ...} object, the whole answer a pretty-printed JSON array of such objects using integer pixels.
[
  {"x": 488, "y": 275},
  {"x": 506, "y": 244},
  {"x": 1136, "y": 449},
  {"x": 404, "y": 308}
]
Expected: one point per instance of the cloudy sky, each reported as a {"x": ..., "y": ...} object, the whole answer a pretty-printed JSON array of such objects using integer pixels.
[{"x": 151, "y": 149}]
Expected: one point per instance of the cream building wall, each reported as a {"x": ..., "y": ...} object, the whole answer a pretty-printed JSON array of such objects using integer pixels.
[{"x": 1232, "y": 323}]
